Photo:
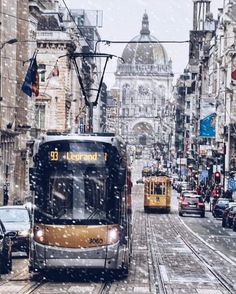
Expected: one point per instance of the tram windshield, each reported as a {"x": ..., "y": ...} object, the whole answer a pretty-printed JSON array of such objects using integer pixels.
[
  {"x": 82, "y": 195},
  {"x": 78, "y": 185}
]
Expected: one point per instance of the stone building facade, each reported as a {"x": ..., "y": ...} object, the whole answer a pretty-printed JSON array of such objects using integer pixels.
[
  {"x": 208, "y": 94},
  {"x": 28, "y": 27},
  {"x": 14, "y": 18},
  {"x": 59, "y": 95},
  {"x": 144, "y": 81}
]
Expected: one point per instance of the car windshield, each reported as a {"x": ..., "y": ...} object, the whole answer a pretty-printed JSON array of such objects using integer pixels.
[
  {"x": 14, "y": 215},
  {"x": 189, "y": 192}
]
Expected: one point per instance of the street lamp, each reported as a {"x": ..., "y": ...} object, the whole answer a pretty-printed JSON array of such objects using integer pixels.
[{"x": 11, "y": 41}]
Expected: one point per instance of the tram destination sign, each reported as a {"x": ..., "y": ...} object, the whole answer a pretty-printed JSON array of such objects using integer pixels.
[{"x": 77, "y": 156}]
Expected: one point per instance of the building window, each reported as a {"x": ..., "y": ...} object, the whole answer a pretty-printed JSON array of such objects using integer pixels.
[
  {"x": 125, "y": 93},
  {"x": 42, "y": 72},
  {"x": 143, "y": 90},
  {"x": 188, "y": 104},
  {"x": 123, "y": 112},
  {"x": 40, "y": 115}
]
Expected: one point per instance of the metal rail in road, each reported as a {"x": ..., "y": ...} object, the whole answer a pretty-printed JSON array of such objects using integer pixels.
[{"x": 223, "y": 280}]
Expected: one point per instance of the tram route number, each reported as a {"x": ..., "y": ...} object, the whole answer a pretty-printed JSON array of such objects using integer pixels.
[{"x": 95, "y": 241}]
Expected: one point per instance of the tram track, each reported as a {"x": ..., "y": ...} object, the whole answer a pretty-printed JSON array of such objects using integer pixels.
[
  {"x": 31, "y": 288},
  {"x": 22, "y": 284},
  {"x": 159, "y": 283},
  {"x": 16, "y": 278},
  {"x": 46, "y": 287},
  {"x": 175, "y": 250},
  {"x": 223, "y": 280},
  {"x": 102, "y": 289},
  {"x": 105, "y": 288}
]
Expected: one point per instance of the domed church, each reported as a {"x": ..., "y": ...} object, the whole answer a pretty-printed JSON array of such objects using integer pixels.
[{"x": 144, "y": 80}]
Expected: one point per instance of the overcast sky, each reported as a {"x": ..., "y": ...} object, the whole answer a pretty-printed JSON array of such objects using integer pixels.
[{"x": 168, "y": 20}]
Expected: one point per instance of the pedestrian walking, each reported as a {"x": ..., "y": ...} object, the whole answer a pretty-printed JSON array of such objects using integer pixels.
[{"x": 228, "y": 194}]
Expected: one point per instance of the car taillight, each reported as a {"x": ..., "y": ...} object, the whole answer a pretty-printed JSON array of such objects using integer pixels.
[
  {"x": 184, "y": 203},
  {"x": 201, "y": 204}
]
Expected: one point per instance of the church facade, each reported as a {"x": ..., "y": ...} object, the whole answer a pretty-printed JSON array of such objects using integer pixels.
[{"x": 144, "y": 81}]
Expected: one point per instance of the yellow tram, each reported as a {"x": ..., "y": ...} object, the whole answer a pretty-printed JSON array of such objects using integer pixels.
[{"x": 157, "y": 193}]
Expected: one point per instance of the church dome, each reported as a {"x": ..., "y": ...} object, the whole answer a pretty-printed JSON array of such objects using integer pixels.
[{"x": 144, "y": 52}]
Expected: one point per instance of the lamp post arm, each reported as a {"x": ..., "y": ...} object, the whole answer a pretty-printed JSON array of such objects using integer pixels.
[{"x": 11, "y": 41}]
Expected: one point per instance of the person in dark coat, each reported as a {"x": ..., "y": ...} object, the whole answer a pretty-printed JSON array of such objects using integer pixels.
[
  {"x": 208, "y": 195},
  {"x": 228, "y": 194}
]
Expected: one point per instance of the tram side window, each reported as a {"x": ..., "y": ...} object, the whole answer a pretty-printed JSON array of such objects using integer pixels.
[
  {"x": 147, "y": 189},
  {"x": 112, "y": 202},
  {"x": 159, "y": 188}
]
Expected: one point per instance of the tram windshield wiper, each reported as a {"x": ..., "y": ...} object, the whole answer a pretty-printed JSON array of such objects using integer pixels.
[{"x": 96, "y": 211}]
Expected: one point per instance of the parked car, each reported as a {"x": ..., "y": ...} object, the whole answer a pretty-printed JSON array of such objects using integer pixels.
[
  {"x": 176, "y": 184},
  {"x": 234, "y": 223},
  {"x": 191, "y": 204},
  {"x": 219, "y": 207},
  {"x": 182, "y": 186},
  {"x": 16, "y": 219},
  {"x": 228, "y": 215},
  {"x": 5, "y": 249},
  {"x": 147, "y": 171},
  {"x": 140, "y": 181}
]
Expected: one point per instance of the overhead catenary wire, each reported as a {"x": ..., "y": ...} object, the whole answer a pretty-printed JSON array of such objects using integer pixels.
[
  {"x": 70, "y": 33},
  {"x": 108, "y": 42},
  {"x": 152, "y": 41}
]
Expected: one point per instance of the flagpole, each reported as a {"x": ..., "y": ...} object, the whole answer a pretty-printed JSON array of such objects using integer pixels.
[{"x": 33, "y": 57}]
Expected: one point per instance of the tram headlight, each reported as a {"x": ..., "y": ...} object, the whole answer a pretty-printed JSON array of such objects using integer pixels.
[
  {"x": 39, "y": 234},
  {"x": 113, "y": 235}
]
